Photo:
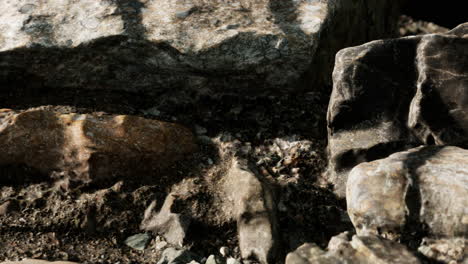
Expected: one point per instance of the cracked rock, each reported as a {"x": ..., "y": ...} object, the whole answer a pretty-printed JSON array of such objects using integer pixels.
[
  {"x": 383, "y": 102},
  {"x": 424, "y": 189}
]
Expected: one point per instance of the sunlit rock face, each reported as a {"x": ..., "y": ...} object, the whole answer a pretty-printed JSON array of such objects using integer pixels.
[
  {"x": 86, "y": 147},
  {"x": 152, "y": 45},
  {"x": 395, "y": 94},
  {"x": 422, "y": 187}
]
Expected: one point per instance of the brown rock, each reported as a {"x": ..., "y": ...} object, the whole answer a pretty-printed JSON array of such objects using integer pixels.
[{"x": 89, "y": 147}]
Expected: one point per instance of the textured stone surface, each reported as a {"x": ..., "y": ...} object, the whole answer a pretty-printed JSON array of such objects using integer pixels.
[
  {"x": 383, "y": 102},
  {"x": 89, "y": 147},
  {"x": 454, "y": 250},
  {"x": 425, "y": 186},
  {"x": 171, "y": 225},
  {"x": 360, "y": 250},
  {"x": 147, "y": 45},
  {"x": 174, "y": 256},
  {"x": 255, "y": 213}
]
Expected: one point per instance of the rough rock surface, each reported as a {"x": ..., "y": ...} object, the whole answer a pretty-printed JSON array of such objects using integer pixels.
[
  {"x": 360, "y": 250},
  {"x": 149, "y": 45},
  {"x": 88, "y": 147},
  {"x": 454, "y": 250},
  {"x": 383, "y": 102},
  {"x": 171, "y": 225},
  {"x": 255, "y": 213},
  {"x": 424, "y": 189}
]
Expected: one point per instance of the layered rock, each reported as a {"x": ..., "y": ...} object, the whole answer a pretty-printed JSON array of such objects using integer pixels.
[
  {"x": 148, "y": 45},
  {"x": 90, "y": 147},
  {"x": 383, "y": 102},
  {"x": 358, "y": 250},
  {"x": 424, "y": 190}
]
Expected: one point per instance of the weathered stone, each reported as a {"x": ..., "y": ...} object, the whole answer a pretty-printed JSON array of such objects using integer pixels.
[
  {"x": 454, "y": 250},
  {"x": 383, "y": 102},
  {"x": 90, "y": 147},
  {"x": 360, "y": 250},
  {"x": 138, "y": 241},
  {"x": 422, "y": 187},
  {"x": 255, "y": 213},
  {"x": 171, "y": 225},
  {"x": 138, "y": 45},
  {"x": 212, "y": 259}
]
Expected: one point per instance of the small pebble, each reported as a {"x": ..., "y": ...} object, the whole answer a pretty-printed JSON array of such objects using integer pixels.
[{"x": 224, "y": 251}]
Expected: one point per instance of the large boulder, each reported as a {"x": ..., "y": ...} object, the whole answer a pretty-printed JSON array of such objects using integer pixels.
[
  {"x": 358, "y": 250},
  {"x": 149, "y": 45},
  {"x": 422, "y": 190},
  {"x": 90, "y": 147},
  {"x": 390, "y": 95}
]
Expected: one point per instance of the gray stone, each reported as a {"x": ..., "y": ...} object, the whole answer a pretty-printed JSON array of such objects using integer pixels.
[
  {"x": 174, "y": 256},
  {"x": 255, "y": 212},
  {"x": 425, "y": 187},
  {"x": 138, "y": 241},
  {"x": 137, "y": 45},
  {"x": 212, "y": 259},
  {"x": 360, "y": 250},
  {"x": 232, "y": 261},
  {"x": 383, "y": 102},
  {"x": 172, "y": 226}
]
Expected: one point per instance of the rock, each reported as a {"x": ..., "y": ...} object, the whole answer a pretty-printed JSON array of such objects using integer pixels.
[
  {"x": 174, "y": 256},
  {"x": 424, "y": 189},
  {"x": 89, "y": 147},
  {"x": 255, "y": 212},
  {"x": 224, "y": 251},
  {"x": 232, "y": 261},
  {"x": 383, "y": 102},
  {"x": 37, "y": 261},
  {"x": 138, "y": 241},
  {"x": 153, "y": 45},
  {"x": 212, "y": 259},
  {"x": 454, "y": 250},
  {"x": 360, "y": 250},
  {"x": 9, "y": 207},
  {"x": 171, "y": 225}
]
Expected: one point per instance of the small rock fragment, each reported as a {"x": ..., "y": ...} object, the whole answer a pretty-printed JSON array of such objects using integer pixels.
[
  {"x": 172, "y": 226},
  {"x": 138, "y": 241}
]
